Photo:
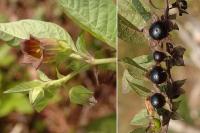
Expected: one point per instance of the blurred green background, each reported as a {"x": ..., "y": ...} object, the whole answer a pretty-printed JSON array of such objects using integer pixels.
[{"x": 189, "y": 37}]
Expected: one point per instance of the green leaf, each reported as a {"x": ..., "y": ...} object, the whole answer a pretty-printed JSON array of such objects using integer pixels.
[
  {"x": 134, "y": 11},
  {"x": 133, "y": 63},
  {"x": 139, "y": 130},
  {"x": 95, "y": 16},
  {"x": 80, "y": 95},
  {"x": 43, "y": 76},
  {"x": 129, "y": 33},
  {"x": 134, "y": 77},
  {"x": 184, "y": 110},
  {"x": 24, "y": 28},
  {"x": 81, "y": 45},
  {"x": 36, "y": 93},
  {"x": 140, "y": 90},
  {"x": 105, "y": 124},
  {"x": 141, "y": 118},
  {"x": 59, "y": 75},
  {"x": 43, "y": 100},
  {"x": 24, "y": 87},
  {"x": 145, "y": 61}
]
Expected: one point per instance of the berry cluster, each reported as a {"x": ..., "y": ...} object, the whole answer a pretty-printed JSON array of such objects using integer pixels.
[{"x": 165, "y": 55}]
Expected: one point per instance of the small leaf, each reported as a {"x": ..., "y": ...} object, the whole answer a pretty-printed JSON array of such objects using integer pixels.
[
  {"x": 134, "y": 77},
  {"x": 24, "y": 87},
  {"x": 125, "y": 85},
  {"x": 43, "y": 76},
  {"x": 36, "y": 93},
  {"x": 81, "y": 45},
  {"x": 179, "y": 83},
  {"x": 140, "y": 118},
  {"x": 139, "y": 130},
  {"x": 42, "y": 101},
  {"x": 80, "y": 95},
  {"x": 145, "y": 61},
  {"x": 59, "y": 75},
  {"x": 132, "y": 62},
  {"x": 140, "y": 90}
]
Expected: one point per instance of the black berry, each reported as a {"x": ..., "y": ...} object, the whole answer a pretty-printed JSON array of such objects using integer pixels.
[
  {"x": 158, "y": 75},
  {"x": 157, "y": 100},
  {"x": 158, "y": 30},
  {"x": 183, "y": 4},
  {"x": 159, "y": 56}
]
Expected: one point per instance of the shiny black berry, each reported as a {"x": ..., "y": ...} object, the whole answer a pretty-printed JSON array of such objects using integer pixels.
[
  {"x": 158, "y": 30},
  {"x": 158, "y": 75},
  {"x": 183, "y": 4},
  {"x": 157, "y": 100},
  {"x": 159, "y": 56}
]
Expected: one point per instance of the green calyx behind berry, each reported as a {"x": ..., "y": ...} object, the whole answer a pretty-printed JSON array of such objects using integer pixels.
[
  {"x": 155, "y": 125},
  {"x": 158, "y": 30},
  {"x": 159, "y": 56},
  {"x": 158, "y": 75},
  {"x": 157, "y": 100}
]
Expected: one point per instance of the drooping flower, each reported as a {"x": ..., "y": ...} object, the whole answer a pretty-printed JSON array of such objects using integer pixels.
[{"x": 38, "y": 51}]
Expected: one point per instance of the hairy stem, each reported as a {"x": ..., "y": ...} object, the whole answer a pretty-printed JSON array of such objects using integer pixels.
[
  {"x": 93, "y": 61},
  {"x": 102, "y": 61}
]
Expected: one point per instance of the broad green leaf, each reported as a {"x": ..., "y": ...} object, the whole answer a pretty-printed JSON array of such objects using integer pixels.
[
  {"x": 134, "y": 11},
  {"x": 80, "y": 95},
  {"x": 103, "y": 125},
  {"x": 139, "y": 130},
  {"x": 43, "y": 76},
  {"x": 141, "y": 118},
  {"x": 140, "y": 90},
  {"x": 95, "y": 16},
  {"x": 24, "y": 87},
  {"x": 36, "y": 93},
  {"x": 24, "y": 28},
  {"x": 81, "y": 45}
]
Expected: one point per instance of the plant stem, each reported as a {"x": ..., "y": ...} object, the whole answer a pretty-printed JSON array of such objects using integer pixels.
[
  {"x": 93, "y": 61},
  {"x": 60, "y": 81},
  {"x": 103, "y": 61}
]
